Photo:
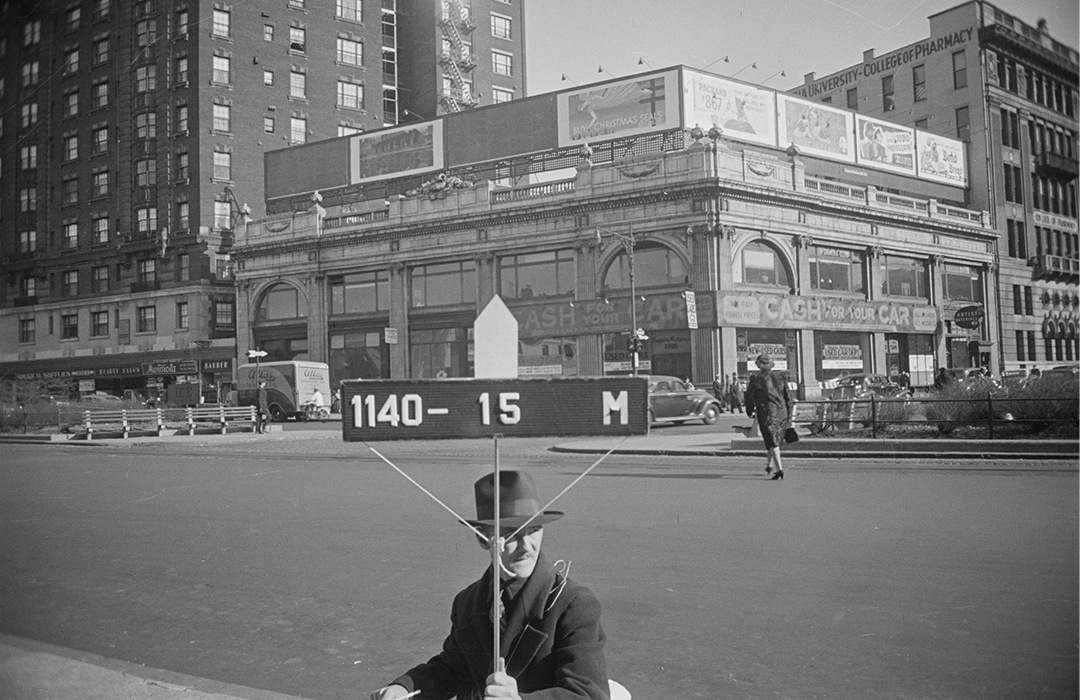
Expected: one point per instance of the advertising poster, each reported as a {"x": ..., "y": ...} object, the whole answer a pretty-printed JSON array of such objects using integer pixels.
[
  {"x": 940, "y": 159},
  {"x": 744, "y": 112},
  {"x": 617, "y": 110},
  {"x": 817, "y": 129},
  {"x": 885, "y": 146},
  {"x": 405, "y": 150}
]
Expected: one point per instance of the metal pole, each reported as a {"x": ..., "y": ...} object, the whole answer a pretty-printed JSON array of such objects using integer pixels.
[
  {"x": 629, "y": 245},
  {"x": 496, "y": 554}
]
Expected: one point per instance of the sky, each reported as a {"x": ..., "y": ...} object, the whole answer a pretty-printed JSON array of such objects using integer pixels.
[{"x": 576, "y": 37}]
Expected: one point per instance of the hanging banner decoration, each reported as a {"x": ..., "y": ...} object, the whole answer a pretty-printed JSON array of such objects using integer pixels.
[
  {"x": 404, "y": 150},
  {"x": 940, "y": 159},
  {"x": 885, "y": 146},
  {"x": 743, "y": 112},
  {"x": 816, "y": 129},
  {"x": 642, "y": 105}
]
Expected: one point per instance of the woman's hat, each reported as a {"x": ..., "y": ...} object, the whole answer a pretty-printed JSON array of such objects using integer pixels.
[
  {"x": 518, "y": 501},
  {"x": 763, "y": 361}
]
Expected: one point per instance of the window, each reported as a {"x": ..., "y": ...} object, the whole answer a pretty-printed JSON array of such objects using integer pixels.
[
  {"x": 1018, "y": 302},
  {"x": 146, "y": 319},
  {"x": 99, "y": 324},
  {"x": 71, "y": 148},
  {"x": 182, "y": 23},
  {"x": 298, "y": 130},
  {"x": 101, "y": 9},
  {"x": 1029, "y": 302},
  {"x": 100, "y": 182},
  {"x": 222, "y": 215},
  {"x": 99, "y": 279},
  {"x": 268, "y": 125},
  {"x": 1020, "y": 346},
  {"x": 537, "y": 274},
  {"x": 350, "y": 95},
  {"x": 360, "y": 293},
  {"x": 100, "y": 94},
  {"x": 444, "y": 283},
  {"x": 298, "y": 4},
  {"x": 29, "y": 114},
  {"x": 145, "y": 32},
  {"x": 30, "y": 73},
  {"x": 28, "y": 199},
  {"x": 146, "y": 173},
  {"x": 181, "y": 315},
  {"x": 963, "y": 124},
  {"x": 224, "y": 313},
  {"x": 962, "y": 283},
  {"x": 888, "y": 94},
  {"x": 69, "y": 191},
  {"x": 27, "y": 241},
  {"x": 853, "y": 98},
  {"x": 147, "y": 270},
  {"x": 32, "y": 33},
  {"x": 905, "y": 277},
  {"x": 28, "y": 157},
  {"x": 268, "y": 32},
  {"x": 759, "y": 264},
  {"x": 1013, "y": 184},
  {"x": 28, "y": 287},
  {"x": 71, "y": 104},
  {"x": 183, "y": 267},
  {"x": 268, "y": 77},
  {"x": 222, "y": 117},
  {"x": 918, "y": 80},
  {"x": 501, "y": 63},
  {"x": 71, "y": 62},
  {"x": 1010, "y": 129},
  {"x": 832, "y": 269},
  {"x": 101, "y": 52},
  {"x": 297, "y": 39},
  {"x": 27, "y": 330},
  {"x": 499, "y": 95},
  {"x": 222, "y": 165},
  {"x": 350, "y": 10},
  {"x": 222, "y": 20},
  {"x": 1017, "y": 239},
  {"x": 183, "y": 215},
  {"x": 297, "y": 85},
  {"x": 69, "y": 283},
  {"x": 69, "y": 326},
  {"x": 182, "y": 166},
  {"x": 146, "y": 219},
  {"x": 350, "y": 52},
  {"x": 146, "y": 79},
  {"x": 500, "y": 26},
  {"x": 348, "y": 130},
  {"x": 1031, "y": 345},
  {"x": 959, "y": 70},
  {"x": 222, "y": 69},
  {"x": 182, "y": 69},
  {"x": 146, "y": 125},
  {"x": 181, "y": 118},
  {"x": 72, "y": 18}
]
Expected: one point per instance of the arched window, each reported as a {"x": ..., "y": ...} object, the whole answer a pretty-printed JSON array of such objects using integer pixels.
[
  {"x": 655, "y": 265},
  {"x": 281, "y": 302},
  {"x": 761, "y": 264}
]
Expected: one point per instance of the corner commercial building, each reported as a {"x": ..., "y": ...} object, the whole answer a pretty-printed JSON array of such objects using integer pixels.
[
  {"x": 1009, "y": 90},
  {"x": 132, "y": 147},
  {"x": 757, "y": 235}
]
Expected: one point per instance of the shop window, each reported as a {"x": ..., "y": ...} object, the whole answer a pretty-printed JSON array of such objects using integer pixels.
[
  {"x": 962, "y": 283},
  {"x": 779, "y": 344},
  {"x": 363, "y": 292},
  {"x": 441, "y": 353},
  {"x": 761, "y": 264},
  {"x": 655, "y": 265},
  {"x": 552, "y": 357},
  {"x": 444, "y": 284},
  {"x": 905, "y": 277},
  {"x": 832, "y": 269},
  {"x": 838, "y": 353},
  {"x": 358, "y": 355},
  {"x": 279, "y": 303},
  {"x": 537, "y": 274}
]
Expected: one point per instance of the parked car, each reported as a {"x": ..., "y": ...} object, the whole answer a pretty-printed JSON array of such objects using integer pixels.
[
  {"x": 861, "y": 386},
  {"x": 672, "y": 401},
  {"x": 100, "y": 397},
  {"x": 1067, "y": 371},
  {"x": 848, "y": 402}
]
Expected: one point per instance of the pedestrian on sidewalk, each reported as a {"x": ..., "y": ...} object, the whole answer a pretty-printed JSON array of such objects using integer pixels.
[
  {"x": 768, "y": 398},
  {"x": 735, "y": 394},
  {"x": 720, "y": 391},
  {"x": 263, "y": 415},
  {"x": 552, "y": 644}
]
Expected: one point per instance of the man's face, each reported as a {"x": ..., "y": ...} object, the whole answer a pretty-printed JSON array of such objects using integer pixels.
[{"x": 518, "y": 554}]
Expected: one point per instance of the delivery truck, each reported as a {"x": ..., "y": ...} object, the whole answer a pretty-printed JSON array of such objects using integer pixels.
[{"x": 289, "y": 386}]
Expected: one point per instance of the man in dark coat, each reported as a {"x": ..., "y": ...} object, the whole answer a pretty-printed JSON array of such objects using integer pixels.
[
  {"x": 264, "y": 409},
  {"x": 551, "y": 641}
]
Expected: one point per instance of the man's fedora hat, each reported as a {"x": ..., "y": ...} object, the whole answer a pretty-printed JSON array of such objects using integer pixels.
[{"x": 518, "y": 501}]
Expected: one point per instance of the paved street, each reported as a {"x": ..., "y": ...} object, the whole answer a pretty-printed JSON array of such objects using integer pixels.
[{"x": 302, "y": 565}]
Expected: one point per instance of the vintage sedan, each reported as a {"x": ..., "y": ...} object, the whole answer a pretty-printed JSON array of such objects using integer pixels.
[{"x": 672, "y": 401}]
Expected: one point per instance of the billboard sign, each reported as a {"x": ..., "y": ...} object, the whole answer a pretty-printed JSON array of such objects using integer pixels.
[
  {"x": 640, "y": 105},
  {"x": 816, "y": 129},
  {"x": 398, "y": 152},
  {"x": 940, "y": 159},
  {"x": 885, "y": 146},
  {"x": 473, "y": 408},
  {"x": 744, "y": 112}
]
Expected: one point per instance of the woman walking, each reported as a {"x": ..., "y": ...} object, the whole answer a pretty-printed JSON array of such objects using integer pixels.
[{"x": 768, "y": 398}]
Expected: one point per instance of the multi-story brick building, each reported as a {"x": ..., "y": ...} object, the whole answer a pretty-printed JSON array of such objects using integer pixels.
[
  {"x": 132, "y": 145},
  {"x": 1009, "y": 91}
]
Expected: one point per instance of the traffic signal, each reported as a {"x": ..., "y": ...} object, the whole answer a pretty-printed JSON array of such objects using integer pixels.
[{"x": 631, "y": 343}]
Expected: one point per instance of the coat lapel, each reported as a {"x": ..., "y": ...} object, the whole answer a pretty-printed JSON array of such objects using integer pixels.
[{"x": 524, "y": 635}]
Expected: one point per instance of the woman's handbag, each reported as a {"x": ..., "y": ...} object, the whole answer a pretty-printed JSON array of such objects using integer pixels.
[{"x": 790, "y": 435}]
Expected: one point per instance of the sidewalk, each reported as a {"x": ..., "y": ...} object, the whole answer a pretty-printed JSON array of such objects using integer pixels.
[{"x": 32, "y": 670}]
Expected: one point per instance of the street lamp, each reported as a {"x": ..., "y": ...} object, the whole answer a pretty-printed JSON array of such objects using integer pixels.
[{"x": 636, "y": 334}]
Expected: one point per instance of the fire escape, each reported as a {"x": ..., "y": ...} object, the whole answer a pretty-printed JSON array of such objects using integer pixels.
[{"x": 455, "y": 20}]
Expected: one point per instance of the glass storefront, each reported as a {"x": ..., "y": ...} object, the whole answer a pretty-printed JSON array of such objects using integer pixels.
[
  {"x": 547, "y": 357},
  {"x": 840, "y": 353},
  {"x": 439, "y": 353},
  {"x": 358, "y": 354},
  {"x": 910, "y": 353},
  {"x": 779, "y": 344}
]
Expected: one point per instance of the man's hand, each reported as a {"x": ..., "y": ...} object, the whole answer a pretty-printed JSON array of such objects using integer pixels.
[
  {"x": 501, "y": 686},
  {"x": 390, "y": 692}
]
